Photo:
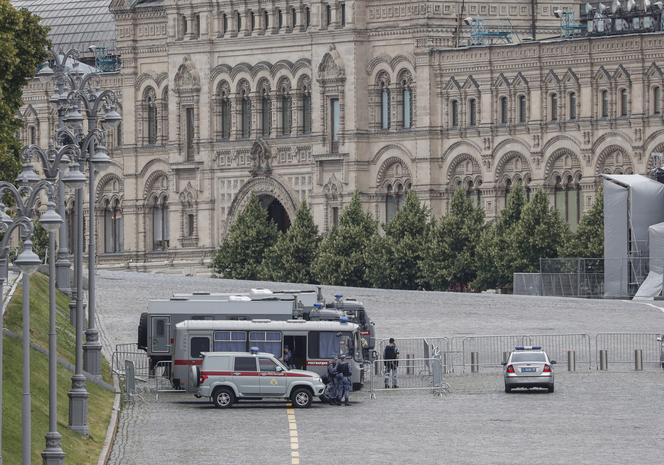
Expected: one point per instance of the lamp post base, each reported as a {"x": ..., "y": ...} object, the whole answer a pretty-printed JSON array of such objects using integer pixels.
[
  {"x": 78, "y": 405},
  {"x": 62, "y": 275},
  {"x": 53, "y": 454},
  {"x": 92, "y": 353}
]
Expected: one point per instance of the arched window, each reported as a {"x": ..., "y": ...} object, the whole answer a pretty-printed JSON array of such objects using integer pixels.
[
  {"x": 196, "y": 33},
  {"x": 286, "y": 112},
  {"x": 224, "y": 111},
  {"x": 328, "y": 15},
  {"x": 503, "y": 110},
  {"x": 306, "y": 107},
  {"x": 238, "y": 21},
  {"x": 472, "y": 112},
  {"x": 407, "y": 99},
  {"x": 342, "y": 13},
  {"x": 508, "y": 189},
  {"x": 604, "y": 102},
  {"x": 567, "y": 199},
  {"x": 307, "y": 17},
  {"x": 113, "y": 226},
  {"x": 266, "y": 113},
  {"x": 150, "y": 100},
  {"x": 224, "y": 23},
  {"x": 266, "y": 20},
  {"x": 384, "y": 106},
  {"x": 454, "y": 113},
  {"x": 280, "y": 19},
  {"x": 624, "y": 102},
  {"x": 252, "y": 22},
  {"x": 245, "y": 115},
  {"x": 572, "y": 105},
  {"x": 160, "y": 233},
  {"x": 293, "y": 17},
  {"x": 393, "y": 200},
  {"x": 553, "y": 100},
  {"x": 32, "y": 135},
  {"x": 656, "y": 100},
  {"x": 522, "y": 109}
]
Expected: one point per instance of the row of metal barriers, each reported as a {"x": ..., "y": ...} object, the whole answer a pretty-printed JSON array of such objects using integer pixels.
[{"x": 472, "y": 354}]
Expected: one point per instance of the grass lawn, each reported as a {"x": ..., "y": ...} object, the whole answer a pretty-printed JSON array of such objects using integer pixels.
[{"x": 78, "y": 450}]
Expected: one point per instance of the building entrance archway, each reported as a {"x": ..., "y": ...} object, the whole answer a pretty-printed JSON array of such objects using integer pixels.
[{"x": 276, "y": 211}]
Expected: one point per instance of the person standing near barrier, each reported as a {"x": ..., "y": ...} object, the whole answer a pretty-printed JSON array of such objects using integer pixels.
[
  {"x": 345, "y": 370},
  {"x": 391, "y": 362},
  {"x": 330, "y": 386},
  {"x": 339, "y": 380}
]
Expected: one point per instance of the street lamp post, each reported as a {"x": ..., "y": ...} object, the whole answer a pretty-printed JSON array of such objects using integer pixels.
[
  {"x": 7, "y": 227},
  {"x": 26, "y": 197},
  {"x": 51, "y": 161},
  {"x": 95, "y": 104}
]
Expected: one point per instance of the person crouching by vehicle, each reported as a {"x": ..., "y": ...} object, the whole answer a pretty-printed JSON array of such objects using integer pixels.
[
  {"x": 330, "y": 385},
  {"x": 344, "y": 369},
  {"x": 391, "y": 362}
]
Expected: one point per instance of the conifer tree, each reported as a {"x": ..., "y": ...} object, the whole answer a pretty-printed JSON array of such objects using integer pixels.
[
  {"x": 540, "y": 233},
  {"x": 393, "y": 261},
  {"x": 588, "y": 241},
  {"x": 342, "y": 255},
  {"x": 241, "y": 253},
  {"x": 291, "y": 258},
  {"x": 451, "y": 260}
]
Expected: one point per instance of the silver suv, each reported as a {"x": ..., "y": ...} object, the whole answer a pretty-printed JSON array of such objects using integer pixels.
[{"x": 225, "y": 377}]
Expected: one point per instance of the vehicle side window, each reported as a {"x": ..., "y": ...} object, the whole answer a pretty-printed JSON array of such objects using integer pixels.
[
  {"x": 267, "y": 364},
  {"x": 245, "y": 364},
  {"x": 198, "y": 345},
  {"x": 160, "y": 330}
]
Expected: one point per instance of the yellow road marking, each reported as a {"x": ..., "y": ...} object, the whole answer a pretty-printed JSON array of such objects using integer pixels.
[{"x": 294, "y": 442}]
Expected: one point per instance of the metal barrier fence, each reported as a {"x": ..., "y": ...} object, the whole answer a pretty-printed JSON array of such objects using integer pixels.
[
  {"x": 620, "y": 349},
  {"x": 412, "y": 374},
  {"x": 130, "y": 352},
  {"x": 492, "y": 351}
]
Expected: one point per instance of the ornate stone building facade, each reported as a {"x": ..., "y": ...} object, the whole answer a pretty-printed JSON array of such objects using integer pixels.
[{"x": 314, "y": 100}]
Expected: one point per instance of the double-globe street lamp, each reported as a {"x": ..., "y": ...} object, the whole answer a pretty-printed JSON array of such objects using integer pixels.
[
  {"x": 75, "y": 90},
  {"x": 26, "y": 197}
]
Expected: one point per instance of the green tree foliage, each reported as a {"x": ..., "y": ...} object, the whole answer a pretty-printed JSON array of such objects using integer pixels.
[
  {"x": 451, "y": 255},
  {"x": 291, "y": 258},
  {"x": 496, "y": 256},
  {"x": 393, "y": 261},
  {"x": 539, "y": 233},
  {"x": 241, "y": 254},
  {"x": 23, "y": 45},
  {"x": 342, "y": 255},
  {"x": 588, "y": 241}
]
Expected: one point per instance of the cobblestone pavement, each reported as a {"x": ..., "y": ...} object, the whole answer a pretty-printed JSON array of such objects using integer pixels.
[{"x": 593, "y": 418}]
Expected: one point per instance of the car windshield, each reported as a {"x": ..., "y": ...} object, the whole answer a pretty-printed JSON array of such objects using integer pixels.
[{"x": 528, "y": 357}]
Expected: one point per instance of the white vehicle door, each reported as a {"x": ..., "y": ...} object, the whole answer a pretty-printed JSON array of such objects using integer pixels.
[
  {"x": 273, "y": 382},
  {"x": 246, "y": 377}
]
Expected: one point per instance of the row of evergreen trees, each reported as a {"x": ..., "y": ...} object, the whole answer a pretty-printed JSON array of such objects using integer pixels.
[{"x": 413, "y": 251}]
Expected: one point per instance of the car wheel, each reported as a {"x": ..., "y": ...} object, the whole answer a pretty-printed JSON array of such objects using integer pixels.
[
  {"x": 508, "y": 389},
  {"x": 196, "y": 375},
  {"x": 551, "y": 388},
  {"x": 301, "y": 397},
  {"x": 223, "y": 397}
]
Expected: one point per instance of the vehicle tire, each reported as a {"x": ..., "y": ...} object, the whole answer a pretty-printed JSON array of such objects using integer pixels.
[
  {"x": 196, "y": 375},
  {"x": 301, "y": 397},
  {"x": 551, "y": 389},
  {"x": 508, "y": 389},
  {"x": 223, "y": 397}
]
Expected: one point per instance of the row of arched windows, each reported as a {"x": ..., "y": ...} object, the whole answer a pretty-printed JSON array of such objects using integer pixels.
[
  {"x": 263, "y": 21},
  {"x": 285, "y": 112},
  {"x": 388, "y": 96}
]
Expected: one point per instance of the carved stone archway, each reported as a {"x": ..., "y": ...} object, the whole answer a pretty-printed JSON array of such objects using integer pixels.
[{"x": 264, "y": 188}]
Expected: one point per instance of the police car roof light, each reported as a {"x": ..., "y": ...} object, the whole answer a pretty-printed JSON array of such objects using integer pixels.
[
  {"x": 528, "y": 348},
  {"x": 318, "y": 305},
  {"x": 254, "y": 350},
  {"x": 338, "y": 296},
  {"x": 343, "y": 319}
]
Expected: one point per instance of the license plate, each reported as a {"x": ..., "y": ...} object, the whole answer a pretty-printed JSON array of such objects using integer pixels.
[{"x": 528, "y": 370}]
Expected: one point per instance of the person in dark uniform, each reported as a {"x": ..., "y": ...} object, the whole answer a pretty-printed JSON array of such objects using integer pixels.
[
  {"x": 345, "y": 369},
  {"x": 391, "y": 362}
]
